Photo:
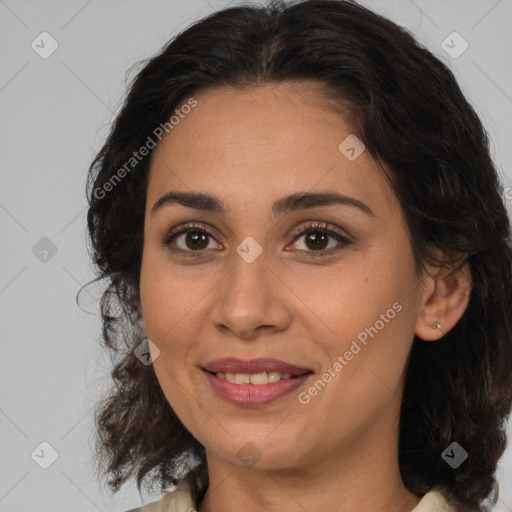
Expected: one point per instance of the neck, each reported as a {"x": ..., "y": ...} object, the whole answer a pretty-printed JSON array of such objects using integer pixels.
[{"x": 357, "y": 477}]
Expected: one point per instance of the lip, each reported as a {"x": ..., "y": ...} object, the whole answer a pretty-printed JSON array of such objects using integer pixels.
[
  {"x": 262, "y": 364},
  {"x": 250, "y": 395}
]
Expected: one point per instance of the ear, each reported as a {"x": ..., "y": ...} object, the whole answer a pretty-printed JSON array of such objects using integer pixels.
[{"x": 443, "y": 303}]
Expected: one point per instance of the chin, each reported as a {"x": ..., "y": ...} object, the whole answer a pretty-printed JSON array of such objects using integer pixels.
[{"x": 261, "y": 454}]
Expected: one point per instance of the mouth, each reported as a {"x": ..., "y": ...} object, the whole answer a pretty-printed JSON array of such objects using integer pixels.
[
  {"x": 254, "y": 371},
  {"x": 259, "y": 378},
  {"x": 258, "y": 391},
  {"x": 255, "y": 382}
]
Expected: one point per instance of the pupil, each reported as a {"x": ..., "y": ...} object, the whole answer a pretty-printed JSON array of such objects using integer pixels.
[
  {"x": 317, "y": 238},
  {"x": 195, "y": 237}
]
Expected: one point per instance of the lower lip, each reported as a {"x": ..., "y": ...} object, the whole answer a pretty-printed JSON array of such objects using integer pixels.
[{"x": 254, "y": 394}]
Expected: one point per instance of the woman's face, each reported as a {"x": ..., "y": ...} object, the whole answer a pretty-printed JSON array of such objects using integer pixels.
[{"x": 344, "y": 307}]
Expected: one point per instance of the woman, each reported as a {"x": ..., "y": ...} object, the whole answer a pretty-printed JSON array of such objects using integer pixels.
[{"x": 310, "y": 267}]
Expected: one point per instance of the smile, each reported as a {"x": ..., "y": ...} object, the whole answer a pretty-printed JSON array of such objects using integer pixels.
[{"x": 258, "y": 393}]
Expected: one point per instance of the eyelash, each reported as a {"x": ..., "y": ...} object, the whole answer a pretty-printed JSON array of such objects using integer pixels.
[{"x": 317, "y": 227}]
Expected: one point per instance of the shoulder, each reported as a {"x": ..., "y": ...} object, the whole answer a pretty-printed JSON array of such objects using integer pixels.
[
  {"x": 434, "y": 501},
  {"x": 179, "y": 500}
]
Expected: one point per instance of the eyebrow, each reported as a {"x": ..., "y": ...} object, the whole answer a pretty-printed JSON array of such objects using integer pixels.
[{"x": 284, "y": 205}]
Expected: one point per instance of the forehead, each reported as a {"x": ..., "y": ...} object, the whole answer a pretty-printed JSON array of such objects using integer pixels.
[
  {"x": 266, "y": 140},
  {"x": 288, "y": 114}
]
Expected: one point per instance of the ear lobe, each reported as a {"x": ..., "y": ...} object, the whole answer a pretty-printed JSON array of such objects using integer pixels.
[{"x": 444, "y": 302}]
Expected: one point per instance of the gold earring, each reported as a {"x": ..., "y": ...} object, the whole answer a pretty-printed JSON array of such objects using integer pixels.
[{"x": 437, "y": 325}]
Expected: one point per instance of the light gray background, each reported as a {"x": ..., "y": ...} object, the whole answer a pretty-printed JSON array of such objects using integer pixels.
[{"x": 54, "y": 117}]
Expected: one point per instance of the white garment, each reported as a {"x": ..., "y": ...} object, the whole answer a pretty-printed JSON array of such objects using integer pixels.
[
  {"x": 180, "y": 500},
  {"x": 433, "y": 501}
]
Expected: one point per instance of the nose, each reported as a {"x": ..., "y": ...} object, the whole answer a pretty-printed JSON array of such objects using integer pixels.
[{"x": 250, "y": 300}]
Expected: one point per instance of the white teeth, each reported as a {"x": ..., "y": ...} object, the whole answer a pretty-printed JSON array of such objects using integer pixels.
[
  {"x": 260, "y": 378},
  {"x": 242, "y": 378},
  {"x": 273, "y": 376},
  {"x": 253, "y": 378}
]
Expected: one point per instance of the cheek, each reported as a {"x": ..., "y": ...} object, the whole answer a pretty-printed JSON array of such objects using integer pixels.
[
  {"x": 369, "y": 311},
  {"x": 168, "y": 300},
  {"x": 365, "y": 352},
  {"x": 168, "y": 309},
  {"x": 352, "y": 300},
  {"x": 174, "y": 315}
]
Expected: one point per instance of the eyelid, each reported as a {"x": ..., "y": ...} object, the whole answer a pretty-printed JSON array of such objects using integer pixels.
[
  {"x": 321, "y": 226},
  {"x": 188, "y": 226}
]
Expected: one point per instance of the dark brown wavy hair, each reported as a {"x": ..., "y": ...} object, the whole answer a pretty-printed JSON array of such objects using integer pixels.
[{"x": 409, "y": 111}]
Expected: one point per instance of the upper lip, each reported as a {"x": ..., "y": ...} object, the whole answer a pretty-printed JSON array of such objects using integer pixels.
[{"x": 260, "y": 365}]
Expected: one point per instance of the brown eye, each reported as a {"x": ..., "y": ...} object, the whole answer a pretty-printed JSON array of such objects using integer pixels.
[
  {"x": 196, "y": 240},
  {"x": 189, "y": 239},
  {"x": 317, "y": 239},
  {"x": 193, "y": 240}
]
